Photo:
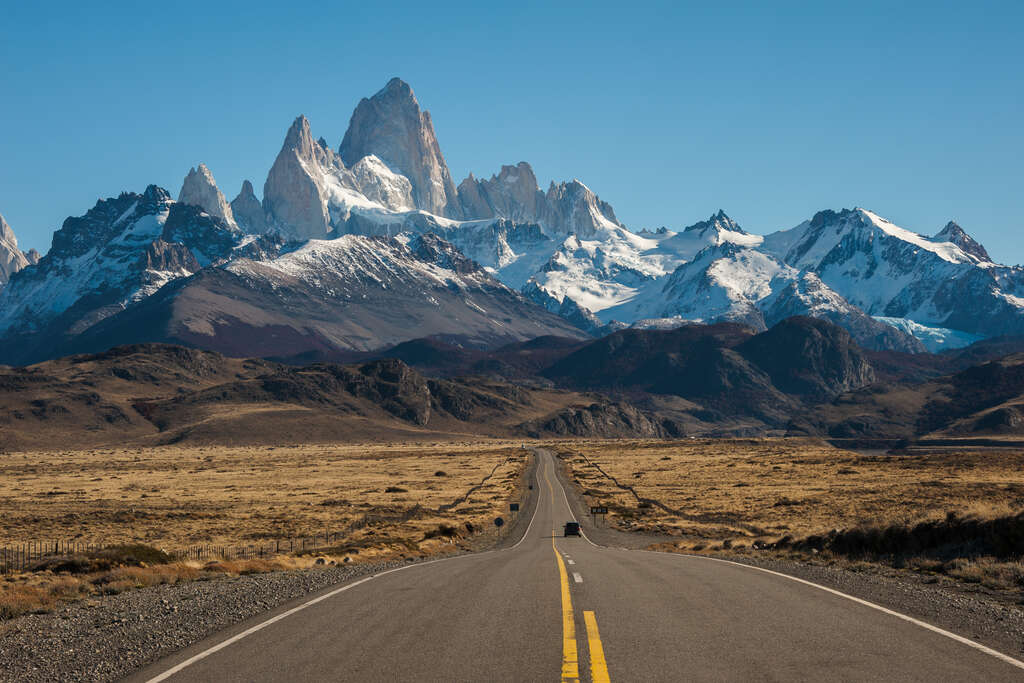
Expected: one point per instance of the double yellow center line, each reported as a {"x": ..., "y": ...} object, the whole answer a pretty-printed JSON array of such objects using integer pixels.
[
  {"x": 570, "y": 657},
  {"x": 570, "y": 653}
]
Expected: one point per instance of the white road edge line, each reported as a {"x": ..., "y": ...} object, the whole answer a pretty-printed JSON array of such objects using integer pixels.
[
  {"x": 263, "y": 624},
  {"x": 576, "y": 577},
  {"x": 917, "y": 622}
]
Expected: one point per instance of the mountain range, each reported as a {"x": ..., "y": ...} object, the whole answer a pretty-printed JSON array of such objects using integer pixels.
[{"x": 362, "y": 247}]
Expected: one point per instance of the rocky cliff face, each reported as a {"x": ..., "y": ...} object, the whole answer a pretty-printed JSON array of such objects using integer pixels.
[
  {"x": 513, "y": 194},
  {"x": 293, "y": 195},
  {"x": 11, "y": 258},
  {"x": 200, "y": 189},
  {"x": 391, "y": 127},
  {"x": 248, "y": 211},
  {"x": 310, "y": 192}
]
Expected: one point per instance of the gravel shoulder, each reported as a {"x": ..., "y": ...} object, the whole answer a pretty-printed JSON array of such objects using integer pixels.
[
  {"x": 969, "y": 611},
  {"x": 106, "y": 639}
]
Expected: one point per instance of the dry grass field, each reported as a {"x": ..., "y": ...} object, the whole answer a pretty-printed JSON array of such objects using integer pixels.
[
  {"x": 173, "y": 497},
  {"x": 388, "y": 501},
  {"x": 952, "y": 514},
  {"x": 747, "y": 490}
]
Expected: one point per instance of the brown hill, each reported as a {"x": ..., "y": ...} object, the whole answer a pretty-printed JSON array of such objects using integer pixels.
[{"x": 155, "y": 393}]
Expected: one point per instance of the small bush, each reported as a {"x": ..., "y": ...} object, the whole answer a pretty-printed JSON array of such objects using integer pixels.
[
  {"x": 442, "y": 530},
  {"x": 134, "y": 555},
  {"x": 395, "y": 489},
  {"x": 24, "y": 599}
]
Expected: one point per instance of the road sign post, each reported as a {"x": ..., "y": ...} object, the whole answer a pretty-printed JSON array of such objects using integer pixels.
[{"x": 598, "y": 510}]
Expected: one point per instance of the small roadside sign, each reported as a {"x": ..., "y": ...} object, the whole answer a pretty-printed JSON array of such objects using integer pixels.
[
  {"x": 599, "y": 510},
  {"x": 499, "y": 522},
  {"x": 513, "y": 507}
]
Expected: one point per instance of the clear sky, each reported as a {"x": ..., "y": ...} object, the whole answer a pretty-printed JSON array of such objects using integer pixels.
[{"x": 771, "y": 111}]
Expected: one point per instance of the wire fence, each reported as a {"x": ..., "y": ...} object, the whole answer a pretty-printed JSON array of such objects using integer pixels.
[{"x": 22, "y": 556}]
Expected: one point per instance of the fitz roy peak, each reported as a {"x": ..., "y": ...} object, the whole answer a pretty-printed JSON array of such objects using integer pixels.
[
  {"x": 375, "y": 243},
  {"x": 391, "y": 127}
]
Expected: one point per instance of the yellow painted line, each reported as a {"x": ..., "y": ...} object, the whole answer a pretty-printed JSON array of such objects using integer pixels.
[
  {"x": 598, "y": 666},
  {"x": 570, "y": 654}
]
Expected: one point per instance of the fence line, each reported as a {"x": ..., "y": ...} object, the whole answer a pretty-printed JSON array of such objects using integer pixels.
[{"x": 15, "y": 558}]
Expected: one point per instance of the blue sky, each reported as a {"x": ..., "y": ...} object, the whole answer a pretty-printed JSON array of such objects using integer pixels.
[{"x": 667, "y": 111}]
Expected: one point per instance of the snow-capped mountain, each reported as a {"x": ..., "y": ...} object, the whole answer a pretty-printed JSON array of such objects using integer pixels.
[
  {"x": 121, "y": 251},
  {"x": 357, "y": 234},
  {"x": 325, "y": 298},
  {"x": 12, "y": 259},
  {"x": 947, "y": 281},
  {"x": 142, "y": 267}
]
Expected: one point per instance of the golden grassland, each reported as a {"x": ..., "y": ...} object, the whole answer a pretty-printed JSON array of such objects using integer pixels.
[
  {"x": 767, "y": 489},
  {"x": 172, "y": 498},
  {"x": 732, "y": 496}
]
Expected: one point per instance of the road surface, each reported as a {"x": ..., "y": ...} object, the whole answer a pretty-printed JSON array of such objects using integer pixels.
[{"x": 554, "y": 608}]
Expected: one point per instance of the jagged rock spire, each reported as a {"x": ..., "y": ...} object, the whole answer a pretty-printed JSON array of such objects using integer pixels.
[
  {"x": 248, "y": 211},
  {"x": 200, "y": 189},
  {"x": 391, "y": 126}
]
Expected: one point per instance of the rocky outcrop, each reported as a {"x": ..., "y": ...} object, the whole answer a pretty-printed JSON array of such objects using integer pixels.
[
  {"x": 11, "y": 258},
  {"x": 573, "y": 207},
  {"x": 601, "y": 420},
  {"x": 248, "y": 211},
  {"x": 391, "y": 126},
  {"x": 200, "y": 189},
  {"x": 809, "y": 358},
  {"x": 512, "y": 193}
]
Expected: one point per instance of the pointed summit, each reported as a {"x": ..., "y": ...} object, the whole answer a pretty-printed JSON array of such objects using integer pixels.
[
  {"x": 200, "y": 189},
  {"x": 248, "y": 211},
  {"x": 6, "y": 233},
  {"x": 391, "y": 126},
  {"x": 958, "y": 236},
  {"x": 718, "y": 221}
]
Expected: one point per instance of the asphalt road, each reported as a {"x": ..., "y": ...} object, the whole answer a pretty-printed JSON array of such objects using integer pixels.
[{"x": 553, "y": 607}]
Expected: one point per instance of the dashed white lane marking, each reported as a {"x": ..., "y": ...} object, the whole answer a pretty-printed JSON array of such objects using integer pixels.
[
  {"x": 576, "y": 577},
  {"x": 571, "y": 561}
]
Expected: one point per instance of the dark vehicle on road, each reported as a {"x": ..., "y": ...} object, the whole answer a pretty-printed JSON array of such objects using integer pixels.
[{"x": 572, "y": 529}]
